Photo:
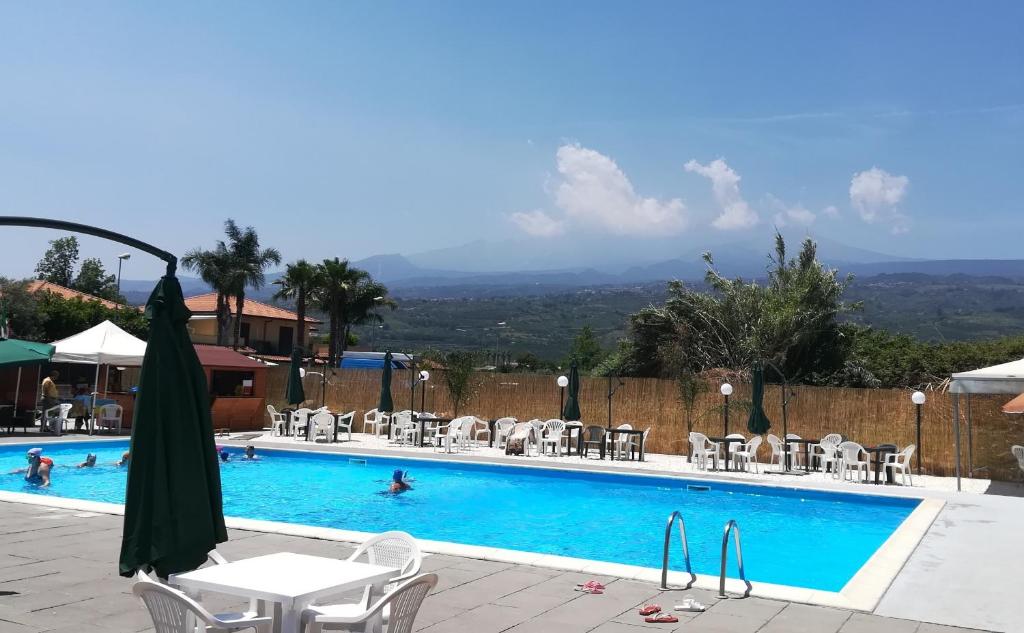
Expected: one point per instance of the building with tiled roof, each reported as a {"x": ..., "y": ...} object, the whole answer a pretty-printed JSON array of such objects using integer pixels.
[
  {"x": 266, "y": 329},
  {"x": 38, "y": 285}
]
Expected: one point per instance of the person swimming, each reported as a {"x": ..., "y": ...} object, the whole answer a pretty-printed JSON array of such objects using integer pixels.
[
  {"x": 90, "y": 461},
  {"x": 399, "y": 481},
  {"x": 224, "y": 455},
  {"x": 250, "y": 452},
  {"x": 126, "y": 457},
  {"x": 39, "y": 467}
]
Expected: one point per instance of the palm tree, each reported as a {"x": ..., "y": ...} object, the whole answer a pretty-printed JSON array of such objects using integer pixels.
[
  {"x": 215, "y": 268},
  {"x": 248, "y": 263},
  {"x": 336, "y": 280},
  {"x": 364, "y": 301},
  {"x": 298, "y": 281}
]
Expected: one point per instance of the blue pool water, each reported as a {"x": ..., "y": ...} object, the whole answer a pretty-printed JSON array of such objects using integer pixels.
[{"x": 791, "y": 537}]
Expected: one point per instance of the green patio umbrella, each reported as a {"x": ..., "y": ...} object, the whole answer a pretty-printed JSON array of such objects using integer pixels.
[
  {"x": 571, "y": 411},
  {"x": 18, "y": 353},
  {"x": 758, "y": 422},
  {"x": 294, "y": 393},
  {"x": 386, "y": 404},
  {"x": 173, "y": 512}
]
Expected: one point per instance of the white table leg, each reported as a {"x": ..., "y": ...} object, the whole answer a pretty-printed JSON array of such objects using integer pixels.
[{"x": 291, "y": 616}]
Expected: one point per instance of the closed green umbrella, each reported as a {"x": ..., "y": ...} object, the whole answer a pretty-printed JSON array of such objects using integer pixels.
[
  {"x": 571, "y": 411},
  {"x": 386, "y": 404},
  {"x": 758, "y": 422},
  {"x": 294, "y": 393},
  {"x": 173, "y": 512},
  {"x": 18, "y": 353}
]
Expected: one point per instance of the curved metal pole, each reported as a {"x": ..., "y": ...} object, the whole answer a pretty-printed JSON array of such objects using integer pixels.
[
  {"x": 735, "y": 528},
  {"x": 686, "y": 550},
  {"x": 61, "y": 225}
]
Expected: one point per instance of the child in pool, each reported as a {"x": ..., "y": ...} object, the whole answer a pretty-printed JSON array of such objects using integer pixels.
[{"x": 399, "y": 482}]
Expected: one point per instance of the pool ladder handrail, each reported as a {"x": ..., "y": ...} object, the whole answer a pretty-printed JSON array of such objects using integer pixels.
[
  {"x": 686, "y": 550},
  {"x": 733, "y": 527}
]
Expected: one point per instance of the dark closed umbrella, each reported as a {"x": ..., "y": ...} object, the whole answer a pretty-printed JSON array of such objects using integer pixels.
[
  {"x": 571, "y": 411},
  {"x": 758, "y": 422},
  {"x": 386, "y": 404},
  {"x": 173, "y": 512},
  {"x": 294, "y": 393}
]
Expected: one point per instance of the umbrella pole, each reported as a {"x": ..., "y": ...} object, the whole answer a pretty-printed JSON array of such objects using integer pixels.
[
  {"x": 970, "y": 440},
  {"x": 106, "y": 381},
  {"x": 956, "y": 435},
  {"x": 785, "y": 427},
  {"x": 17, "y": 392},
  {"x": 39, "y": 381},
  {"x": 95, "y": 389}
]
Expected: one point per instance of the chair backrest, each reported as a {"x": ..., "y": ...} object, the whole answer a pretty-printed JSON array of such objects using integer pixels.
[
  {"x": 392, "y": 549},
  {"x": 323, "y": 421},
  {"x": 504, "y": 425},
  {"x": 775, "y": 443},
  {"x": 793, "y": 436},
  {"x": 274, "y": 415},
  {"x": 832, "y": 439},
  {"x": 455, "y": 426},
  {"x": 111, "y": 412},
  {"x": 851, "y": 451},
  {"x": 346, "y": 418},
  {"x": 65, "y": 409},
  {"x": 373, "y": 415},
  {"x": 538, "y": 426},
  {"x": 555, "y": 427},
  {"x": 401, "y": 417},
  {"x": 301, "y": 416},
  {"x": 754, "y": 444},
  {"x": 170, "y": 608},
  {"x": 594, "y": 433},
  {"x": 405, "y": 602},
  {"x": 1018, "y": 452},
  {"x": 906, "y": 454}
]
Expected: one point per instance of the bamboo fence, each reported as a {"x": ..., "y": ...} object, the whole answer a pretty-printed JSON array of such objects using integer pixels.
[{"x": 867, "y": 416}]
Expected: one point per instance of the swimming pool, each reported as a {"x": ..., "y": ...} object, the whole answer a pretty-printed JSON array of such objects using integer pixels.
[{"x": 802, "y": 538}]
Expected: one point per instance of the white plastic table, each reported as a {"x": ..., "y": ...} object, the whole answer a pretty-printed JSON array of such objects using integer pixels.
[{"x": 293, "y": 580}]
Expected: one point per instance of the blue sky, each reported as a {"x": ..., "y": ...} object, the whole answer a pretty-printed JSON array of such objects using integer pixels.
[{"x": 349, "y": 129}]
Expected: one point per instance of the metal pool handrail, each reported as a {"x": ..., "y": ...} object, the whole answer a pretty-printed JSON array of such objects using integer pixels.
[
  {"x": 735, "y": 528},
  {"x": 686, "y": 550}
]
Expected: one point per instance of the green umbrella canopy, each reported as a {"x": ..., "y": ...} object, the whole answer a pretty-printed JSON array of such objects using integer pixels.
[
  {"x": 571, "y": 411},
  {"x": 385, "y": 403},
  {"x": 294, "y": 393},
  {"x": 18, "y": 353},
  {"x": 173, "y": 512},
  {"x": 758, "y": 422}
]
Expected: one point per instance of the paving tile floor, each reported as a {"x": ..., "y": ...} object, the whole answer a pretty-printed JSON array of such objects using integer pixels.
[{"x": 58, "y": 573}]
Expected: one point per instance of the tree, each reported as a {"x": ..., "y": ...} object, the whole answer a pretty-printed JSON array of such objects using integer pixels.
[
  {"x": 94, "y": 280},
  {"x": 350, "y": 297},
  {"x": 459, "y": 377},
  {"x": 61, "y": 318},
  {"x": 248, "y": 265},
  {"x": 21, "y": 309},
  {"x": 58, "y": 263},
  {"x": 298, "y": 281},
  {"x": 586, "y": 350},
  {"x": 215, "y": 268}
]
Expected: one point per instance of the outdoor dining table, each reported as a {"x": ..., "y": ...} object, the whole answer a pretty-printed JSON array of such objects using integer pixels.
[
  {"x": 578, "y": 428},
  {"x": 636, "y": 432},
  {"x": 880, "y": 452},
  {"x": 727, "y": 441},
  {"x": 807, "y": 450},
  {"x": 294, "y": 581},
  {"x": 422, "y": 420}
]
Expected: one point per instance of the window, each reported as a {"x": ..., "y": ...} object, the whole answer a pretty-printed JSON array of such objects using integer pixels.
[{"x": 231, "y": 383}]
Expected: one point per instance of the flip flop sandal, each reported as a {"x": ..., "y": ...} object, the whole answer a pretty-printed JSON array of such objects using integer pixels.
[
  {"x": 593, "y": 590},
  {"x": 650, "y": 609},
  {"x": 664, "y": 618},
  {"x": 689, "y": 604}
]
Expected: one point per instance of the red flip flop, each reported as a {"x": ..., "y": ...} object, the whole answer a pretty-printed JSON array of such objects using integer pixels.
[
  {"x": 664, "y": 618},
  {"x": 650, "y": 609}
]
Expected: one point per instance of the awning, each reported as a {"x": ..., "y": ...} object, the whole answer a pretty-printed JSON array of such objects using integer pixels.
[
  {"x": 225, "y": 358},
  {"x": 103, "y": 344},
  {"x": 1015, "y": 406},
  {"x": 1004, "y": 378}
]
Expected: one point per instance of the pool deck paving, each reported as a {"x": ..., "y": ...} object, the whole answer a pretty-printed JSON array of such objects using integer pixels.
[{"x": 58, "y": 573}]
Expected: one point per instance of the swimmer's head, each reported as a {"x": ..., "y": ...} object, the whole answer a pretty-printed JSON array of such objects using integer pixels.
[
  {"x": 33, "y": 453},
  {"x": 398, "y": 476},
  {"x": 250, "y": 450},
  {"x": 90, "y": 459},
  {"x": 224, "y": 456}
]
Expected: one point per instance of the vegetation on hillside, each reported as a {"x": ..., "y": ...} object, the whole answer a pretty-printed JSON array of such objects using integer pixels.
[{"x": 58, "y": 266}]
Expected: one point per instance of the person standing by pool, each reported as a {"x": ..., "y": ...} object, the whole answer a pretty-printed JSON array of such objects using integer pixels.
[
  {"x": 39, "y": 467},
  {"x": 399, "y": 482},
  {"x": 51, "y": 397}
]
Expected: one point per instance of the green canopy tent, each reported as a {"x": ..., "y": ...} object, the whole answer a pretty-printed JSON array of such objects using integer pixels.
[
  {"x": 386, "y": 404},
  {"x": 173, "y": 508},
  {"x": 17, "y": 353},
  {"x": 758, "y": 421},
  {"x": 572, "y": 403}
]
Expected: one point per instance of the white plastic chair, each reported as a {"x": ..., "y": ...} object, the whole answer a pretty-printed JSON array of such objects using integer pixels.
[
  {"x": 635, "y": 442},
  {"x": 110, "y": 417},
  {"x": 701, "y": 448},
  {"x": 622, "y": 441},
  {"x": 300, "y": 420},
  {"x": 1018, "y": 452},
  {"x": 400, "y": 422},
  {"x": 278, "y": 423},
  {"x": 823, "y": 454},
  {"x": 850, "y": 459},
  {"x": 502, "y": 429},
  {"x": 538, "y": 433},
  {"x": 55, "y": 418},
  {"x": 323, "y": 425},
  {"x": 901, "y": 461},
  {"x": 732, "y": 447},
  {"x": 746, "y": 454},
  {"x": 344, "y": 423},
  {"x": 449, "y": 436},
  {"x": 778, "y": 457},
  {"x": 795, "y": 454},
  {"x": 398, "y": 608},
  {"x": 375, "y": 420},
  {"x": 481, "y": 428},
  {"x": 554, "y": 438},
  {"x": 174, "y": 612}
]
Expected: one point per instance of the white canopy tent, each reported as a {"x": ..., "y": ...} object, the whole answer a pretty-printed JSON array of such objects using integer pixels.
[
  {"x": 103, "y": 344},
  {"x": 1007, "y": 378}
]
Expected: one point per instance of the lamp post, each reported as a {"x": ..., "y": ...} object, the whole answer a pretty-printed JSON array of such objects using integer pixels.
[
  {"x": 120, "y": 260},
  {"x": 424, "y": 377},
  {"x": 562, "y": 382},
  {"x": 726, "y": 390},
  {"x": 918, "y": 398}
]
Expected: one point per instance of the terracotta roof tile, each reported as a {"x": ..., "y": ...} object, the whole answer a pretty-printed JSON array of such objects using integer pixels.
[
  {"x": 207, "y": 303},
  {"x": 37, "y": 285}
]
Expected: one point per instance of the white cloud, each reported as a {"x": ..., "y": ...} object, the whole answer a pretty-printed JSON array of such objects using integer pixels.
[
  {"x": 830, "y": 211},
  {"x": 797, "y": 214},
  {"x": 725, "y": 187},
  {"x": 876, "y": 195},
  {"x": 594, "y": 192},
  {"x": 538, "y": 223}
]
